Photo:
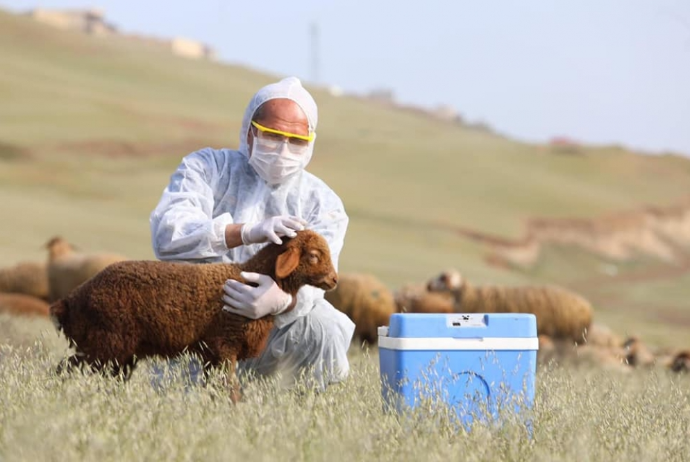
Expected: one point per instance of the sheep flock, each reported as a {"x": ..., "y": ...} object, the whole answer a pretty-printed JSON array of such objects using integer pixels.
[{"x": 74, "y": 282}]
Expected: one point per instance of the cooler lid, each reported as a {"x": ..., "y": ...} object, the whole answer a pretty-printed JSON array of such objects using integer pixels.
[{"x": 461, "y": 325}]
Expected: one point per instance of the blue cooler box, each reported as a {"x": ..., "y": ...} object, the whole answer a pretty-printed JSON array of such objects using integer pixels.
[{"x": 476, "y": 363}]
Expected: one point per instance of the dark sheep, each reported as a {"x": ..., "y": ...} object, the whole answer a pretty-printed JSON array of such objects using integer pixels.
[
  {"x": 137, "y": 309},
  {"x": 681, "y": 362}
]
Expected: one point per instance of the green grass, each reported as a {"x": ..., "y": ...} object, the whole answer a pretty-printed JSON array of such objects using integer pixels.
[{"x": 579, "y": 414}]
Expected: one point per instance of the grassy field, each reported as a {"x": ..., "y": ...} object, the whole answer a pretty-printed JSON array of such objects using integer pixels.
[{"x": 579, "y": 414}]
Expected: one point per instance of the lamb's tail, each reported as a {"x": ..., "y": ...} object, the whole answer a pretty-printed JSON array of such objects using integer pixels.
[{"x": 58, "y": 313}]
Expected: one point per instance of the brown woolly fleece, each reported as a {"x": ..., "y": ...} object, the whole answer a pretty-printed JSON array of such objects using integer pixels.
[
  {"x": 425, "y": 302},
  {"x": 560, "y": 313},
  {"x": 135, "y": 309},
  {"x": 23, "y": 305},
  {"x": 29, "y": 278},
  {"x": 366, "y": 301}
]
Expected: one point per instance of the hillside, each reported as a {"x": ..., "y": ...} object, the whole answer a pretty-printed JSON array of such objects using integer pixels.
[{"x": 91, "y": 129}]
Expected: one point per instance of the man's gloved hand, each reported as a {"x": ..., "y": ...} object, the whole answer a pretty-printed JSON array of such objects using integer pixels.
[
  {"x": 271, "y": 229},
  {"x": 255, "y": 302}
]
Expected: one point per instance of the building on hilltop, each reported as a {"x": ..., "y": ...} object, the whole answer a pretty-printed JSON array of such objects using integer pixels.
[
  {"x": 90, "y": 21},
  {"x": 192, "y": 49}
]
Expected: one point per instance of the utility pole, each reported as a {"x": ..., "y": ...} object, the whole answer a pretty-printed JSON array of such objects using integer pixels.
[{"x": 314, "y": 39}]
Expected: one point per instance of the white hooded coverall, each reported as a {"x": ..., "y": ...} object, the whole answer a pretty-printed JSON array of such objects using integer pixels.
[{"x": 212, "y": 188}]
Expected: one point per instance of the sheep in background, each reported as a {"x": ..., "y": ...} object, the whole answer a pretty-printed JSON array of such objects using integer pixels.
[
  {"x": 68, "y": 268},
  {"x": 415, "y": 298},
  {"x": 602, "y": 336},
  {"x": 607, "y": 358},
  {"x": 137, "y": 309},
  {"x": 637, "y": 354},
  {"x": 29, "y": 278},
  {"x": 560, "y": 313},
  {"x": 567, "y": 352},
  {"x": 23, "y": 305},
  {"x": 681, "y": 362},
  {"x": 424, "y": 302},
  {"x": 548, "y": 350},
  {"x": 366, "y": 301}
]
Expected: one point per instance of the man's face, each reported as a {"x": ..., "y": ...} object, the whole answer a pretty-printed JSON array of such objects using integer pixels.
[{"x": 280, "y": 114}]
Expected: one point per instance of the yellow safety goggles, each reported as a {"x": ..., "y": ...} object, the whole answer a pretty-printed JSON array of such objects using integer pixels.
[{"x": 277, "y": 135}]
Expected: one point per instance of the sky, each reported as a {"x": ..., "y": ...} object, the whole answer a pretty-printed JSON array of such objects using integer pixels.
[{"x": 596, "y": 71}]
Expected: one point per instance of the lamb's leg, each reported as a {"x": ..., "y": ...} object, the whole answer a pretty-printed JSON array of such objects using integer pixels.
[
  {"x": 228, "y": 362},
  {"x": 124, "y": 369},
  {"x": 231, "y": 380}
]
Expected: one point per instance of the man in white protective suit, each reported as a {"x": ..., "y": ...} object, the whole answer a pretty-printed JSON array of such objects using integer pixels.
[{"x": 223, "y": 205}]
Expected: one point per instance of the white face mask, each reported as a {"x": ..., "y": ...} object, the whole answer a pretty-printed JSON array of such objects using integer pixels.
[{"x": 277, "y": 163}]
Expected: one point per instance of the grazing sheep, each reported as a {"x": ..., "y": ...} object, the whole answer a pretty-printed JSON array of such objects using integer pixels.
[
  {"x": 560, "y": 313},
  {"x": 637, "y": 354},
  {"x": 366, "y": 301},
  {"x": 425, "y": 302},
  {"x": 68, "y": 268},
  {"x": 23, "y": 305},
  {"x": 607, "y": 358},
  {"x": 681, "y": 362},
  {"x": 415, "y": 298},
  {"x": 602, "y": 336},
  {"x": 548, "y": 350},
  {"x": 29, "y": 278},
  {"x": 136, "y": 309}
]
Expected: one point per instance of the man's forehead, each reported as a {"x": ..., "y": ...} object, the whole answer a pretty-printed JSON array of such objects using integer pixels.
[{"x": 282, "y": 108}]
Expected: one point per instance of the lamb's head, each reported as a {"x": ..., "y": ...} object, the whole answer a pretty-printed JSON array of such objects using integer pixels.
[
  {"x": 58, "y": 247},
  {"x": 449, "y": 280},
  {"x": 305, "y": 260}
]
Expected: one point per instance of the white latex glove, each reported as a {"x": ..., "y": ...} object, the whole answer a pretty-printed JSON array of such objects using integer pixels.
[
  {"x": 255, "y": 302},
  {"x": 271, "y": 229}
]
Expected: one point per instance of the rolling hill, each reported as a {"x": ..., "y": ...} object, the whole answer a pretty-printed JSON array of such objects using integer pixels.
[{"x": 91, "y": 129}]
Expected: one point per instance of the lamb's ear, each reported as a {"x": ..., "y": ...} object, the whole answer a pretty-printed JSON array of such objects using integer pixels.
[{"x": 287, "y": 262}]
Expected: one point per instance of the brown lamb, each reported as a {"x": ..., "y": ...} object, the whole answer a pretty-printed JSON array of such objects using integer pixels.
[
  {"x": 23, "y": 305},
  {"x": 136, "y": 309}
]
